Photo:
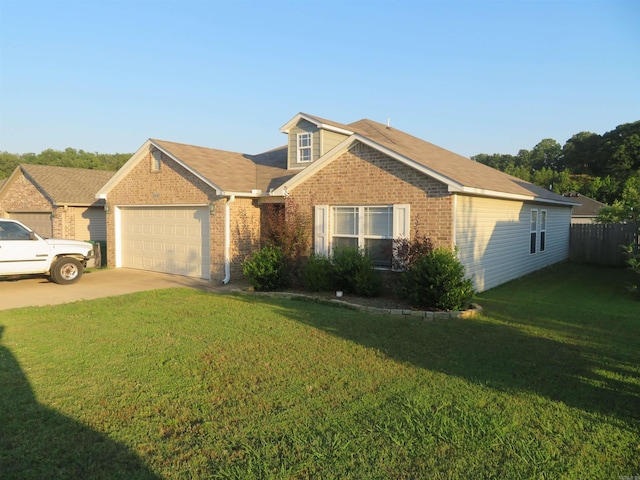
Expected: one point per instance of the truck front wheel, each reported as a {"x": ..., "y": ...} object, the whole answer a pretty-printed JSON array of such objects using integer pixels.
[{"x": 66, "y": 270}]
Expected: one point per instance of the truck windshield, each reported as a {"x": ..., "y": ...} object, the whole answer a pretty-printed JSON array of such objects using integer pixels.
[{"x": 13, "y": 231}]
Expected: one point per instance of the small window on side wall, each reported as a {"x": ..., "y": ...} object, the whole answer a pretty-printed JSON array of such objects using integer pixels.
[{"x": 156, "y": 160}]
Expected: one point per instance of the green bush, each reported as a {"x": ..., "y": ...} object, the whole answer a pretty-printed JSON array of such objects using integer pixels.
[
  {"x": 437, "y": 281},
  {"x": 267, "y": 269},
  {"x": 354, "y": 272},
  {"x": 318, "y": 274},
  {"x": 367, "y": 282}
]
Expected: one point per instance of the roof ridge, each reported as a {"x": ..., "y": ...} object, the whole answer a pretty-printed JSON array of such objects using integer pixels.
[{"x": 197, "y": 146}]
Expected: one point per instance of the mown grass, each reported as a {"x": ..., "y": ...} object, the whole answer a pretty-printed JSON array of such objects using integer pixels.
[{"x": 184, "y": 384}]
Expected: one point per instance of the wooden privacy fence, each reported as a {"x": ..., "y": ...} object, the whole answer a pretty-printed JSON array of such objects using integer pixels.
[{"x": 601, "y": 244}]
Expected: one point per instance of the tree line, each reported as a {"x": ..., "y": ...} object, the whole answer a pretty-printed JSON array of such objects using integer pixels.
[
  {"x": 601, "y": 167},
  {"x": 70, "y": 157}
]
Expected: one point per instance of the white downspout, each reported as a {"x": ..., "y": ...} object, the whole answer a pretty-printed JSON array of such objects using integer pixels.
[{"x": 227, "y": 239}]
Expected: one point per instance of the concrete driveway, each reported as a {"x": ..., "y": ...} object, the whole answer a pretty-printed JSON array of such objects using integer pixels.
[{"x": 37, "y": 291}]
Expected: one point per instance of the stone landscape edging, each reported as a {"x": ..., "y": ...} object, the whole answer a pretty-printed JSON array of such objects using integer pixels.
[{"x": 428, "y": 315}]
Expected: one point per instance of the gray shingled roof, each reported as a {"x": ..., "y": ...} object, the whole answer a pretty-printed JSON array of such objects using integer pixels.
[
  {"x": 459, "y": 169},
  {"x": 238, "y": 172},
  {"x": 232, "y": 171},
  {"x": 589, "y": 207},
  {"x": 67, "y": 186}
]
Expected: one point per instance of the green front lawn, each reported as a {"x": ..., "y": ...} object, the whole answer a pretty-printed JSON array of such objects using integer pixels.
[{"x": 185, "y": 384}]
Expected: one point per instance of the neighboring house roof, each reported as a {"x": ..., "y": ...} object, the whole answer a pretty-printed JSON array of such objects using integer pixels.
[
  {"x": 2, "y": 182},
  {"x": 64, "y": 185},
  {"x": 461, "y": 174},
  {"x": 588, "y": 208}
]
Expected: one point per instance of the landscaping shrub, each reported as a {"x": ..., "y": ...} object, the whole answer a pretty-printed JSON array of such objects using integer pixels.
[
  {"x": 267, "y": 269},
  {"x": 354, "y": 272},
  {"x": 286, "y": 226},
  {"x": 406, "y": 252},
  {"x": 318, "y": 274},
  {"x": 367, "y": 281},
  {"x": 437, "y": 281}
]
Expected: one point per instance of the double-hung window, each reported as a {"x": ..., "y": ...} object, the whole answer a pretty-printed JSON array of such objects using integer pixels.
[
  {"x": 538, "y": 231},
  {"x": 371, "y": 228},
  {"x": 304, "y": 147}
]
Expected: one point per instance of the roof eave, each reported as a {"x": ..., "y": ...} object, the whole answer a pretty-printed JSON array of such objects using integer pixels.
[
  {"x": 38, "y": 186},
  {"x": 511, "y": 196},
  {"x": 252, "y": 194}
]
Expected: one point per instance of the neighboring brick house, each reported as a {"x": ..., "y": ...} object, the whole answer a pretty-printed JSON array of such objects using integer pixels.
[
  {"x": 196, "y": 211},
  {"x": 56, "y": 201}
]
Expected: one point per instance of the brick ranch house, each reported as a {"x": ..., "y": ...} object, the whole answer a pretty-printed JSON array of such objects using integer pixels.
[
  {"x": 197, "y": 211},
  {"x": 56, "y": 201}
]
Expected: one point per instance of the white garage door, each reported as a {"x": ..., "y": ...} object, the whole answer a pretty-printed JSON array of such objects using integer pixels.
[{"x": 166, "y": 239}]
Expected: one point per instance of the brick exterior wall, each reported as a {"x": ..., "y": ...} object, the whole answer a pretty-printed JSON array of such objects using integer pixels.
[
  {"x": 174, "y": 185},
  {"x": 245, "y": 232},
  {"x": 365, "y": 176},
  {"x": 24, "y": 196}
]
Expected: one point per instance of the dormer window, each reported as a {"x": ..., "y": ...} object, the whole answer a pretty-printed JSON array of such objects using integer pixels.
[{"x": 304, "y": 147}]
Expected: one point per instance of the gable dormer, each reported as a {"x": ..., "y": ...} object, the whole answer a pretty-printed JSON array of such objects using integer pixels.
[{"x": 309, "y": 138}]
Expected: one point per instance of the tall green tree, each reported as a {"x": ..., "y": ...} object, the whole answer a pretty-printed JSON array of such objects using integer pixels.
[
  {"x": 581, "y": 152},
  {"x": 627, "y": 208},
  {"x": 546, "y": 154},
  {"x": 620, "y": 150}
]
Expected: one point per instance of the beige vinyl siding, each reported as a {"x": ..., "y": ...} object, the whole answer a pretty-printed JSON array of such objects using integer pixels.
[
  {"x": 303, "y": 127},
  {"x": 493, "y": 237},
  {"x": 328, "y": 140},
  {"x": 91, "y": 223}
]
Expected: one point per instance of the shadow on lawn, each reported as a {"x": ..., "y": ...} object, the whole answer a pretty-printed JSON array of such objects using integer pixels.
[
  {"x": 590, "y": 374},
  {"x": 38, "y": 442}
]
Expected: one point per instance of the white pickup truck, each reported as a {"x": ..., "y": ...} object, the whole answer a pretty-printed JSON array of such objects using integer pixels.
[{"x": 24, "y": 252}]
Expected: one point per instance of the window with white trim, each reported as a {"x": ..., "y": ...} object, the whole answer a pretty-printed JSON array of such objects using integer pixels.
[
  {"x": 369, "y": 227},
  {"x": 304, "y": 147},
  {"x": 538, "y": 231}
]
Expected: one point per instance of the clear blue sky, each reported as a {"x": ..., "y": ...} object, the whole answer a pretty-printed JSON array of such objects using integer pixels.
[{"x": 471, "y": 76}]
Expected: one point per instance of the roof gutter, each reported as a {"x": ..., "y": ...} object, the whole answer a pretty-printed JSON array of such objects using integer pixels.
[
  {"x": 227, "y": 239},
  {"x": 512, "y": 196}
]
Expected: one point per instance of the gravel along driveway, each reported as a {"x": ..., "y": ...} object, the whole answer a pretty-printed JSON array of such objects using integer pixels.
[{"x": 37, "y": 291}]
